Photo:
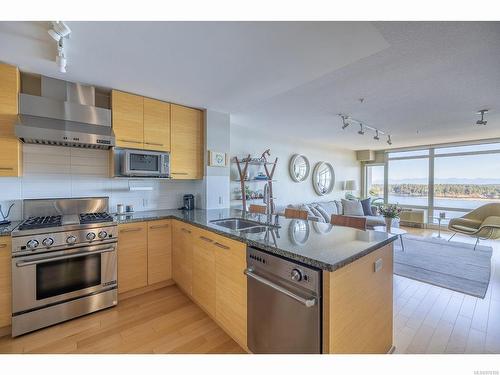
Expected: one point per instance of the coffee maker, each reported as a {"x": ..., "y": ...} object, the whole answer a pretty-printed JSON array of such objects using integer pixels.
[{"x": 188, "y": 202}]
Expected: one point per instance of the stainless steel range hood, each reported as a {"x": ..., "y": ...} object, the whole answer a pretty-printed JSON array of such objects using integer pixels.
[{"x": 65, "y": 114}]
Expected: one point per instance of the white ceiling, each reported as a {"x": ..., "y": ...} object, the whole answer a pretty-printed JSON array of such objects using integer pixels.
[{"x": 422, "y": 81}]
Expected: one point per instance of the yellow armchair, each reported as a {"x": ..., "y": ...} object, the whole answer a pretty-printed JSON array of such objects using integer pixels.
[{"x": 482, "y": 223}]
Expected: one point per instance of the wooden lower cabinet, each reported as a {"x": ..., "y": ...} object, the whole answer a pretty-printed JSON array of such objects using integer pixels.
[
  {"x": 132, "y": 256},
  {"x": 182, "y": 255},
  {"x": 5, "y": 282},
  {"x": 231, "y": 288},
  {"x": 159, "y": 251},
  {"x": 204, "y": 271},
  {"x": 357, "y": 306}
]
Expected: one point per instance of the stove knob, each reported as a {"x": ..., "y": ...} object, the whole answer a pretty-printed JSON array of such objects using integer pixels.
[
  {"x": 296, "y": 275},
  {"x": 90, "y": 236},
  {"x": 32, "y": 244},
  {"x": 71, "y": 240},
  {"x": 102, "y": 234},
  {"x": 48, "y": 242}
]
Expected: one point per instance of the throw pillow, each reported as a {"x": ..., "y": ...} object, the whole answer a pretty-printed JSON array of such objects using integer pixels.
[
  {"x": 340, "y": 209},
  {"x": 367, "y": 206},
  {"x": 352, "y": 208},
  {"x": 323, "y": 213},
  {"x": 317, "y": 214}
]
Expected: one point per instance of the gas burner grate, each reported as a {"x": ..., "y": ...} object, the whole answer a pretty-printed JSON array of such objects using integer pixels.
[
  {"x": 36, "y": 222},
  {"x": 97, "y": 217}
]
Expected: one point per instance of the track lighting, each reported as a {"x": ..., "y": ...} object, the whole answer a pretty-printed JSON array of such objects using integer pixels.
[
  {"x": 345, "y": 124},
  {"x": 361, "y": 131},
  {"x": 389, "y": 141},
  {"x": 59, "y": 32},
  {"x": 376, "y": 137},
  {"x": 482, "y": 121}
]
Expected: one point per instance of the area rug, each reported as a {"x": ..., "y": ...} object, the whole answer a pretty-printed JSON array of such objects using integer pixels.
[{"x": 453, "y": 265}]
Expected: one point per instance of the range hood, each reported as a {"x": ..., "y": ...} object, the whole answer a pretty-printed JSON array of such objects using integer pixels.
[{"x": 56, "y": 112}]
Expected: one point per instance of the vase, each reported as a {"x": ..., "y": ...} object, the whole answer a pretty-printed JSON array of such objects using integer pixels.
[{"x": 388, "y": 223}]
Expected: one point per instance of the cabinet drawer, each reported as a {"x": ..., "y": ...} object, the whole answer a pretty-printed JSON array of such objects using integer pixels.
[{"x": 132, "y": 256}]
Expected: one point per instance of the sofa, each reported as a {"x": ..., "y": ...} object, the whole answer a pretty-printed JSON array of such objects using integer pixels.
[{"x": 323, "y": 211}]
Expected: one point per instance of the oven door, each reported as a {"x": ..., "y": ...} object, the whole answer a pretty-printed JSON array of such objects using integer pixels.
[
  {"x": 45, "y": 279},
  {"x": 142, "y": 163}
]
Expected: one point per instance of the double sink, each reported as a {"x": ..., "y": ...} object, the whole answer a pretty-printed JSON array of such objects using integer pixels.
[{"x": 242, "y": 225}]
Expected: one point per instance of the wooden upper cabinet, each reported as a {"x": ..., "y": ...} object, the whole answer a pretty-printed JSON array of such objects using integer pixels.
[
  {"x": 159, "y": 251},
  {"x": 132, "y": 256},
  {"x": 187, "y": 142},
  {"x": 5, "y": 281},
  {"x": 128, "y": 119},
  {"x": 10, "y": 146},
  {"x": 156, "y": 125}
]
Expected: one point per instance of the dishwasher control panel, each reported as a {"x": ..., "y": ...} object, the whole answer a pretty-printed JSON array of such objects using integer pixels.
[{"x": 293, "y": 272}]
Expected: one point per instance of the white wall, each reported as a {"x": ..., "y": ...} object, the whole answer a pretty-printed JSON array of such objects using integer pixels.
[
  {"x": 54, "y": 172},
  {"x": 250, "y": 141},
  {"x": 217, "y": 131}
]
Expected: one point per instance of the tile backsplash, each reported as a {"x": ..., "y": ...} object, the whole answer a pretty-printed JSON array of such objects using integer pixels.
[{"x": 65, "y": 172}]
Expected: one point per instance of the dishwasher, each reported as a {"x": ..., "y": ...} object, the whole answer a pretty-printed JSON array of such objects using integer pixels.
[{"x": 284, "y": 305}]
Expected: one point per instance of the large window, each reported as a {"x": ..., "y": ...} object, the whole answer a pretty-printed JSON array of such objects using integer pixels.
[
  {"x": 375, "y": 181},
  {"x": 409, "y": 182},
  {"x": 451, "y": 179}
]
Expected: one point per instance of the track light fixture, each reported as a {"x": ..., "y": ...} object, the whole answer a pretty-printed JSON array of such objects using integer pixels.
[
  {"x": 376, "y": 137},
  {"x": 361, "y": 131},
  {"x": 482, "y": 121},
  {"x": 345, "y": 124},
  {"x": 389, "y": 141},
  {"x": 59, "y": 32}
]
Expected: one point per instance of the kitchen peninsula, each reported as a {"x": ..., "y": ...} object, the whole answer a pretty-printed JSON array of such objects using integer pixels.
[{"x": 356, "y": 268}]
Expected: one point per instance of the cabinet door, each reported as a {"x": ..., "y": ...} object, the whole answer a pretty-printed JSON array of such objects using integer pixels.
[
  {"x": 159, "y": 251},
  {"x": 132, "y": 256},
  {"x": 128, "y": 119},
  {"x": 204, "y": 271},
  {"x": 10, "y": 146},
  {"x": 231, "y": 288},
  {"x": 156, "y": 125},
  {"x": 182, "y": 256},
  {"x": 187, "y": 143},
  {"x": 5, "y": 281}
]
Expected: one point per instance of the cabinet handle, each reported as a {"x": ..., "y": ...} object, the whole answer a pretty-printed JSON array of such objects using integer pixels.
[
  {"x": 158, "y": 226},
  {"x": 6, "y": 168},
  {"x": 2, "y": 245},
  {"x": 129, "y": 141},
  {"x": 221, "y": 246},
  {"x": 154, "y": 144},
  {"x": 183, "y": 173},
  {"x": 130, "y": 230},
  {"x": 186, "y": 230},
  {"x": 206, "y": 239}
]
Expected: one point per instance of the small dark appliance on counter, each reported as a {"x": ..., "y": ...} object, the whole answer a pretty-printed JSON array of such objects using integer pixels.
[{"x": 188, "y": 202}]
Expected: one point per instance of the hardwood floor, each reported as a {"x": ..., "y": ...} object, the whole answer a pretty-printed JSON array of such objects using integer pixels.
[
  {"x": 161, "y": 321},
  {"x": 427, "y": 319},
  {"x": 433, "y": 320}
]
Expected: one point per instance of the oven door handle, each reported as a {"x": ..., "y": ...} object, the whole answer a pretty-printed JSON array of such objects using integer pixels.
[
  {"x": 307, "y": 302},
  {"x": 77, "y": 255}
]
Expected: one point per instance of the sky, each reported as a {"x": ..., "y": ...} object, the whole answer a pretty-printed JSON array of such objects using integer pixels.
[{"x": 453, "y": 169}]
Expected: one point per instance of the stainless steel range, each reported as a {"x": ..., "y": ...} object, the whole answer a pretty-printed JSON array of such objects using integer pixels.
[{"x": 64, "y": 262}]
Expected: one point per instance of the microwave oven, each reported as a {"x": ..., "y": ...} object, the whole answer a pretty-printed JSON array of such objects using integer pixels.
[{"x": 138, "y": 163}]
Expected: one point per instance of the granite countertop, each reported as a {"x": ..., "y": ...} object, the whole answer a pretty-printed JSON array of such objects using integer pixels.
[
  {"x": 5, "y": 230},
  {"x": 317, "y": 244}
]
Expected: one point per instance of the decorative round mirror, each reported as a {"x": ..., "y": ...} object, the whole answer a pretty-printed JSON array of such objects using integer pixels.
[
  {"x": 298, "y": 231},
  {"x": 323, "y": 178},
  {"x": 299, "y": 168}
]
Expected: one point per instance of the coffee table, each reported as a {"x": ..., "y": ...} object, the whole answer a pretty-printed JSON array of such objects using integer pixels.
[{"x": 396, "y": 231}]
